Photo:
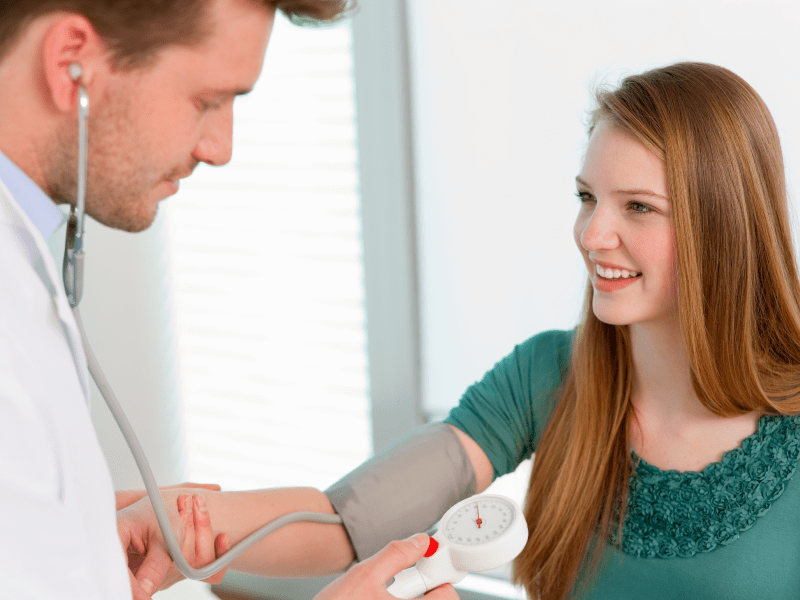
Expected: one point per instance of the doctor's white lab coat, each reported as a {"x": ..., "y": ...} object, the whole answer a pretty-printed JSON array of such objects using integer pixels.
[{"x": 58, "y": 536}]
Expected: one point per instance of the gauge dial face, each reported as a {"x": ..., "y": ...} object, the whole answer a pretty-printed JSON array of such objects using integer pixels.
[{"x": 479, "y": 522}]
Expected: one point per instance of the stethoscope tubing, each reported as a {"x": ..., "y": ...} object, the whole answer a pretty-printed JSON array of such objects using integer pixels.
[
  {"x": 73, "y": 283},
  {"x": 155, "y": 496}
]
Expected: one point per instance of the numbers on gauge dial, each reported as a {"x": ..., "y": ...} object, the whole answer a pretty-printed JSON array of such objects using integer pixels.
[{"x": 479, "y": 522}]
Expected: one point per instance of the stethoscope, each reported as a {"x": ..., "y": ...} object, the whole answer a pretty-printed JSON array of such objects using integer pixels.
[
  {"x": 73, "y": 285},
  {"x": 501, "y": 531}
]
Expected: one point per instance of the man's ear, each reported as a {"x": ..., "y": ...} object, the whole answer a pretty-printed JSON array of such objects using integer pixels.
[{"x": 71, "y": 39}]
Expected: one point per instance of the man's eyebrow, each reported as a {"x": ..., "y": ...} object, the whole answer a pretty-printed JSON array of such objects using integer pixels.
[{"x": 631, "y": 192}]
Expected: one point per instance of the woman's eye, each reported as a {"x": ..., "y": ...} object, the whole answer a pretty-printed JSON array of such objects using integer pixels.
[
  {"x": 638, "y": 207},
  {"x": 584, "y": 196}
]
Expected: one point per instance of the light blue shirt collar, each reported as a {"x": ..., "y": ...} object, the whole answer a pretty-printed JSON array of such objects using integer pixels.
[{"x": 41, "y": 210}]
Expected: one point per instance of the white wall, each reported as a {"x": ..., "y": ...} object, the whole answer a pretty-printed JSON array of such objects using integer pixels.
[{"x": 499, "y": 96}]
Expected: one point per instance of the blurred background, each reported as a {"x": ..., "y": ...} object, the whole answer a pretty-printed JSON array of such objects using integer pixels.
[{"x": 396, "y": 217}]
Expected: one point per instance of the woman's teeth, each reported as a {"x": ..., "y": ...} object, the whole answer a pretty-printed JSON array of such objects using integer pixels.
[{"x": 615, "y": 273}]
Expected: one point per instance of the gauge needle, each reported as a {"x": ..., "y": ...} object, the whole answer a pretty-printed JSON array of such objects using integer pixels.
[{"x": 479, "y": 521}]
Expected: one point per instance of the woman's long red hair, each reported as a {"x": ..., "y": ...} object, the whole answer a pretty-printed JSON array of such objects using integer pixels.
[{"x": 739, "y": 308}]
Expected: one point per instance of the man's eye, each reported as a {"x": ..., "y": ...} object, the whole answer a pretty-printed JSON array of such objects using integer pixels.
[{"x": 206, "y": 106}]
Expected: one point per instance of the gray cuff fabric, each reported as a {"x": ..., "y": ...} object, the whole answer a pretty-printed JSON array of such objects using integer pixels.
[{"x": 404, "y": 489}]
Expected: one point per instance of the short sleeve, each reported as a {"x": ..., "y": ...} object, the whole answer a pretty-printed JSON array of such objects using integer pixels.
[{"x": 506, "y": 412}]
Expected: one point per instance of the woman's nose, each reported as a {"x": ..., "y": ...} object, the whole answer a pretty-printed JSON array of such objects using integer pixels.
[{"x": 600, "y": 230}]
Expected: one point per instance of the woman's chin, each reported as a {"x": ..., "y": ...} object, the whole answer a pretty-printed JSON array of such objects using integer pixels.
[{"x": 611, "y": 316}]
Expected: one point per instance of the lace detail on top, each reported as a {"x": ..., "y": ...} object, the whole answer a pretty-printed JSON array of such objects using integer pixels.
[{"x": 672, "y": 513}]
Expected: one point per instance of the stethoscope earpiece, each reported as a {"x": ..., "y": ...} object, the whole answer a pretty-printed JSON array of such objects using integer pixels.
[{"x": 75, "y": 71}]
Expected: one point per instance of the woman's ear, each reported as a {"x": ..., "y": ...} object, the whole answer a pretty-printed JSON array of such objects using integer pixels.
[{"x": 71, "y": 40}]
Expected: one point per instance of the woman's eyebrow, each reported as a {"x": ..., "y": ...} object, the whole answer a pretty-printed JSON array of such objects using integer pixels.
[
  {"x": 640, "y": 192},
  {"x": 630, "y": 192}
]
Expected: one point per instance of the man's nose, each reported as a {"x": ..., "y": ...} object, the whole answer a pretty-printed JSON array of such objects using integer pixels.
[{"x": 215, "y": 147}]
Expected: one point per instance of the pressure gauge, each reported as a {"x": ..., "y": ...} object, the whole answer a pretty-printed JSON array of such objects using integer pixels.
[{"x": 477, "y": 534}]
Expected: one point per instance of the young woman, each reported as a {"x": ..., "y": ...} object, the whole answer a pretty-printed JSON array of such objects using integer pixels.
[{"x": 664, "y": 426}]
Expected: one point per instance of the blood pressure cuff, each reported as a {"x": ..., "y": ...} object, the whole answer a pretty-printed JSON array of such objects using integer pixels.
[{"x": 403, "y": 489}]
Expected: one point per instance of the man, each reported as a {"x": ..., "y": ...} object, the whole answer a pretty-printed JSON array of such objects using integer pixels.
[{"x": 161, "y": 79}]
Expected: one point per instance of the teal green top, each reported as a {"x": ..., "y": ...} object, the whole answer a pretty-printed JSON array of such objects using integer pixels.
[{"x": 729, "y": 531}]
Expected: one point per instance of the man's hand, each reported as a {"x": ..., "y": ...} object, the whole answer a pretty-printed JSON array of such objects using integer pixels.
[
  {"x": 367, "y": 580},
  {"x": 151, "y": 567}
]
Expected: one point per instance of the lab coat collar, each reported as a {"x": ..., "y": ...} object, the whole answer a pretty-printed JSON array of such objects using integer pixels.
[
  {"x": 41, "y": 261},
  {"x": 40, "y": 209}
]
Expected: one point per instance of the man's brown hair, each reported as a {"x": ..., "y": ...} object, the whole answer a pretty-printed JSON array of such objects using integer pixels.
[{"x": 136, "y": 29}]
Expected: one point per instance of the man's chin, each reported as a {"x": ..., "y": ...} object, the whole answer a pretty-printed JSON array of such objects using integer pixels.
[{"x": 130, "y": 222}]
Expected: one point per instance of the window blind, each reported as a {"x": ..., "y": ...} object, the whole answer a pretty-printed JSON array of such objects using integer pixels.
[{"x": 268, "y": 280}]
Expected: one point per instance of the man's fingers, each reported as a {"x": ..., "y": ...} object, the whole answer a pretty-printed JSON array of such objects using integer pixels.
[
  {"x": 152, "y": 570},
  {"x": 188, "y": 484},
  {"x": 136, "y": 590},
  {"x": 186, "y": 515},
  {"x": 443, "y": 592},
  {"x": 221, "y": 545},
  {"x": 127, "y": 497},
  {"x": 397, "y": 556},
  {"x": 367, "y": 580},
  {"x": 204, "y": 549}
]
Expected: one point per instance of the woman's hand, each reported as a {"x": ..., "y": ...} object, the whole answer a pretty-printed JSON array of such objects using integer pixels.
[
  {"x": 367, "y": 580},
  {"x": 150, "y": 564}
]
